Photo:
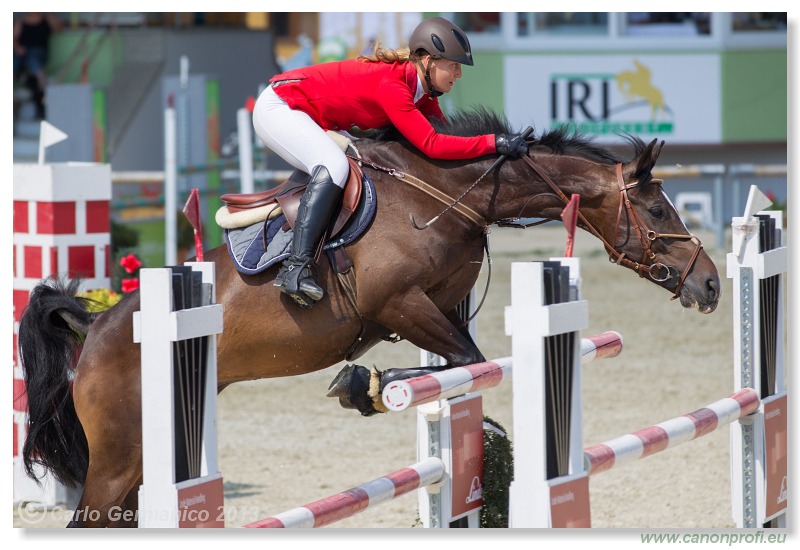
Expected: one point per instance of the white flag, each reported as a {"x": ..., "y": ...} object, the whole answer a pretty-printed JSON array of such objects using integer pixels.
[
  {"x": 756, "y": 202},
  {"x": 48, "y": 135},
  {"x": 744, "y": 230}
]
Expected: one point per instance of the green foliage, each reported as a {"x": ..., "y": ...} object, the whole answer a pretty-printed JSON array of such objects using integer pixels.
[
  {"x": 185, "y": 232},
  {"x": 122, "y": 236},
  {"x": 498, "y": 472}
]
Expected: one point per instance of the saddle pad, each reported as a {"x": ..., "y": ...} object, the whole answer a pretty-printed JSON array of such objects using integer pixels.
[{"x": 250, "y": 256}]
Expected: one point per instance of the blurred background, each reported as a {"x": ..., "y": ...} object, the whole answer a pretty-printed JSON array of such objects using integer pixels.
[{"x": 712, "y": 85}]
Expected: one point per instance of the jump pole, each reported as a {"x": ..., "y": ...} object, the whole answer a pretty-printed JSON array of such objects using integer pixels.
[
  {"x": 660, "y": 437},
  {"x": 164, "y": 500},
  {"x": 354, "y": 501},
  {"x": 403, "y": 394}
]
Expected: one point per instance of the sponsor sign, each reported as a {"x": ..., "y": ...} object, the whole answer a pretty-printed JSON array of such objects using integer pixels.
[
  {"x": 201, "y": 505},
  {"x": 775, "y": 442},
  {"x": 670, "y": 97},
  {"x": 466, "y": 433},
  {"x": 569, "y": 504}
]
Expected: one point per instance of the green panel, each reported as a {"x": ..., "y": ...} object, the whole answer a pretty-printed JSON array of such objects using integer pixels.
[
  {"x": 68, "y": 51},
  {"x": 754, "y": 96},
  {"x": 481, "y": 84},
  {"x": 151, "y": 242},
  {"x": 212, "y": 233},
  {"x": 99, "y": 124}
]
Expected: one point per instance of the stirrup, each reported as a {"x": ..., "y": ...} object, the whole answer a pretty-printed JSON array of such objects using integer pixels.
[{"x": 295, "y": 279}]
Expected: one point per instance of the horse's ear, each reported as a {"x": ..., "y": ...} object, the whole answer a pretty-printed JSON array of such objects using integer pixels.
[{"x": 644, "y": 163}]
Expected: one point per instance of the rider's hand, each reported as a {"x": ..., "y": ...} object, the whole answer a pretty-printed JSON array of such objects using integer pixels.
[{"x": 512, "y": 145}]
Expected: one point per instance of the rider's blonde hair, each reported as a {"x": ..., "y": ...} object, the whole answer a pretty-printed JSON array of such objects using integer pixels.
[{"x": 387, "y": 55}]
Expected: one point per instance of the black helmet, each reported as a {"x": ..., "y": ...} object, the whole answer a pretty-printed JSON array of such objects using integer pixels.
[{"x": 440, "y": 38}]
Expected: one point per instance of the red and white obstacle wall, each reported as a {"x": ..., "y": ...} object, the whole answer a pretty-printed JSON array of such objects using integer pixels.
[{"x": 61, "y": 227}]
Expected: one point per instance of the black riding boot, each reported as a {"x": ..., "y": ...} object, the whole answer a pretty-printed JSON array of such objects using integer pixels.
[{"x": 296, "y": 277}]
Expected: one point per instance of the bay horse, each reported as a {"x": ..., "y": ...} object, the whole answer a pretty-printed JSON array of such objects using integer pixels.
[{"x": 82, "y": 370}]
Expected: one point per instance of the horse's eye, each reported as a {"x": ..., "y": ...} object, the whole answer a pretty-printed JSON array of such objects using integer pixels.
[{"x": 657, "y": 212}]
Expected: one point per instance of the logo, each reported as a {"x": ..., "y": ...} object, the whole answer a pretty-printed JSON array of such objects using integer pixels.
[
  {"x": 475, "y": 491},
  {"x": 608, "y": 103},
  {"x": 784, "y": 493}
]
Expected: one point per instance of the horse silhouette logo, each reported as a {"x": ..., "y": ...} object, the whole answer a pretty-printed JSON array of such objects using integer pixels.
[
  {"x": 637, "y": 84},
  {"x": 475, "y": 491},
  {"x": 783, "y": 496}
]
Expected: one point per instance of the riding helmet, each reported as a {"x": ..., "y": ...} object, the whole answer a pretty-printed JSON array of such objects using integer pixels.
[{"x": 441, "y": 38}]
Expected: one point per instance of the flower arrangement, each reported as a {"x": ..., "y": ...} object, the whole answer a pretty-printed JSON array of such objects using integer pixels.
[
  {"x": 131, "y": 265},
  {"x": 100, "y": 299}
]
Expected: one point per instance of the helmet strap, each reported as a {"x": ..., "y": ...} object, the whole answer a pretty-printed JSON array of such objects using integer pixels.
[{"x": 433, "y": 92}]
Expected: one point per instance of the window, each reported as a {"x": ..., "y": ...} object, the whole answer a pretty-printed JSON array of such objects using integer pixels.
[
  {"x": 562, "y": 24},
  {"x": 747, "y": 21},
  {"x": 668, "y": 24},
  {"x": 488, "y": 22}
]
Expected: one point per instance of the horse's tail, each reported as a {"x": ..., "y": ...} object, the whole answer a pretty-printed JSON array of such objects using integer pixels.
[{"x": 51, "y": 332}]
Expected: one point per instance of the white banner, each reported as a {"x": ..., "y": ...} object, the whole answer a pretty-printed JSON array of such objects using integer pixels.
[{"x": 670, "y": 97}]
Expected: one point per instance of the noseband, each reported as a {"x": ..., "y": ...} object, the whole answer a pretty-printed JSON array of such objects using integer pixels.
[{"x": 656, "y": 270}]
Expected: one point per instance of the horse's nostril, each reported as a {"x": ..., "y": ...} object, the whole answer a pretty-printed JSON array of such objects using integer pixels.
[{"x": 713, "y": 289}]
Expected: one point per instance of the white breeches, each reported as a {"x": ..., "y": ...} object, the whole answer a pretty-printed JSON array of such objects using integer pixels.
[{"x": 296, "y": 138}]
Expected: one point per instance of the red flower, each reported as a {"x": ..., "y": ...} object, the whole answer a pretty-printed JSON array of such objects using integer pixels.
[
  {"x": 129, "y": 285},
  {"x": 770, "y": 195},
  {"x": 131, "y": 263}
]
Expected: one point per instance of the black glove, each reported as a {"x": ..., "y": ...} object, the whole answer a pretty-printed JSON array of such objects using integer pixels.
[{"x": 512, "y": 145}]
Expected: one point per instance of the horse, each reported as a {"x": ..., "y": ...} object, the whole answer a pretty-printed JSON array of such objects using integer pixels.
[{"x": 82, "y": 370}]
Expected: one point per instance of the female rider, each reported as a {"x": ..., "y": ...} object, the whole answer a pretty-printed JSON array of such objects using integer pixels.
[{"x": 397, "y": 87}]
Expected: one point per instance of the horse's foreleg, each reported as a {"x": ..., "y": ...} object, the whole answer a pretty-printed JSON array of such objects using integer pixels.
[{"x": 417, "y": 319}]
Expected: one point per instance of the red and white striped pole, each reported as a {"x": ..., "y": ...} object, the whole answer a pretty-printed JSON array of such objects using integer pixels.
[
  {"x": 353, "y": 501},
  {"x": 400, "y": 395},
  {"x": 654, "y": 439}
]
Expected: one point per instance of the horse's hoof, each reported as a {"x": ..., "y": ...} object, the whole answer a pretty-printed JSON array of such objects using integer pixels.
[
  {"x": 352, "y": 387},
  {"x": 351, "y": 379},
  {"x": 364, "y": 406}
]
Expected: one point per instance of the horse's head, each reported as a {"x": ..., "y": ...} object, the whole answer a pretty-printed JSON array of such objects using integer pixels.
[{"x": 649, "y": 237}]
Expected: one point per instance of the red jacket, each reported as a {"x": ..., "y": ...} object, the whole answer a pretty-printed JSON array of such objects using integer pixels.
[{"x": 343, "y": 94}]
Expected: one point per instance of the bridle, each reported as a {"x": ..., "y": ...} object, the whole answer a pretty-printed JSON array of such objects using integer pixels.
[{"x": 657, "y": 271}]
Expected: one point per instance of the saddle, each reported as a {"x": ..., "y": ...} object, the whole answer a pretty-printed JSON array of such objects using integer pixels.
[{"x": 241, "y": 210}]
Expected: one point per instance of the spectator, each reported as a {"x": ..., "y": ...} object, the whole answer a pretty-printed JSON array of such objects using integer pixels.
[{"x": 31, "y": 35}]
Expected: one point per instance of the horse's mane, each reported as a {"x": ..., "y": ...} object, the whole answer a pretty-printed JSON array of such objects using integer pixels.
[{"x": 562, "y": 141}]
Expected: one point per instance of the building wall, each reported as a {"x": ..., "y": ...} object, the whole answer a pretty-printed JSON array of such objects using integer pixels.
[
  {"x": 241, "y": 60},
  {"x": 754, "y": 96}
]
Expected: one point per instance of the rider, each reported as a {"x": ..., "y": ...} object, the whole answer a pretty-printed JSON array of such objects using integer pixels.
[{"x": 398, "y": 87}]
